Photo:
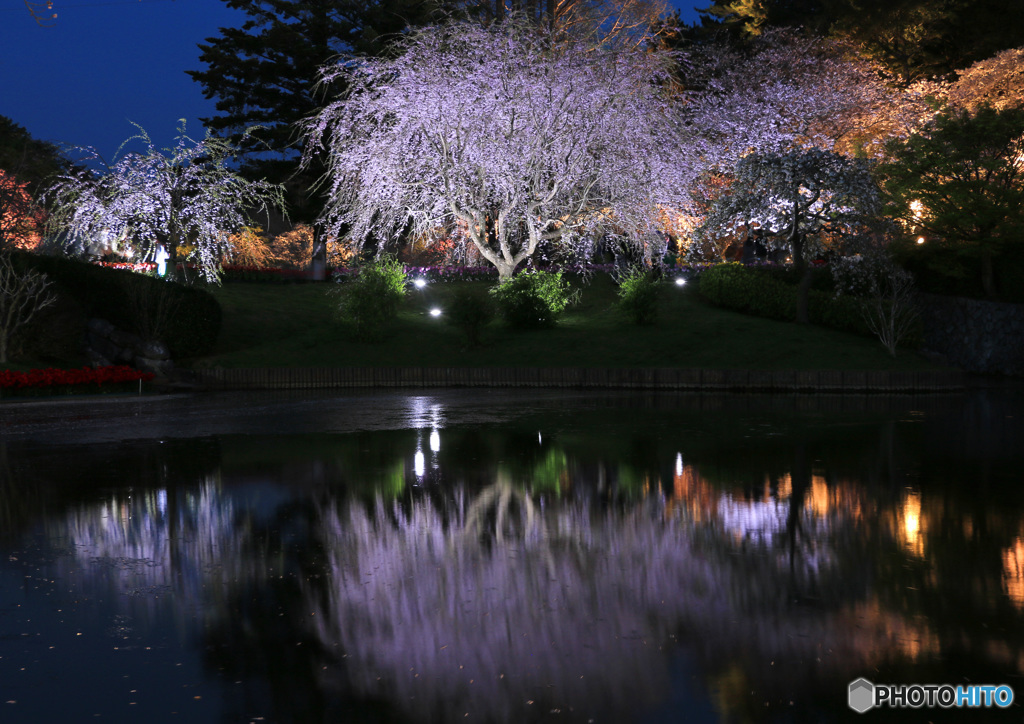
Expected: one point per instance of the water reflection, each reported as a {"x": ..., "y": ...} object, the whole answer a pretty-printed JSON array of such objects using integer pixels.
[{"x": 515, "y": 575}]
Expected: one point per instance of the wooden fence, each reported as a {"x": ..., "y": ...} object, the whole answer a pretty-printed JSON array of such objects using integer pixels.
[{"x": 281, "y": 378}]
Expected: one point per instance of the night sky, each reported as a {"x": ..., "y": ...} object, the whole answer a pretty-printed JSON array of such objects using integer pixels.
[{"x": 104, "y": 64}]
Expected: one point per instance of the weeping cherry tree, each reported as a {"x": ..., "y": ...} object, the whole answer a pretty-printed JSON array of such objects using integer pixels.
[
  {"x": 794, "y": 198},
  {"x": 503, "y": 133},
  {"x": 185, "y": 201}
]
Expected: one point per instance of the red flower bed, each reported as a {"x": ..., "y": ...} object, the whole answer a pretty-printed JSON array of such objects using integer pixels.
[
  {"x": 138, "y": 267},
  {"x": 49, "y": 377}
]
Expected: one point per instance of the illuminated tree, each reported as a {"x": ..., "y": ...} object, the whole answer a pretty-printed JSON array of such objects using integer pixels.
[
  {"x": 187, "y": 195},
  {"x": 786, "y": 90},
  {"x": 913, "y": 39},
  {"x": 961, "y": 181},
  {"x": 997, "y": 81},
  {"x": 519, "y": 139},
  {"x": 27, "y": 165},
  {"x": 21, "y": 219},
  {"x": 794, "y": 198}
]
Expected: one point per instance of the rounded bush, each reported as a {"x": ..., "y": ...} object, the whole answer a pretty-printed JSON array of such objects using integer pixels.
[
  {"x": 639, "y": 292},
  {"x": 470, "y": 311},
  {"x": 532, "y": 299},
  {"x": 370, "y": 301}
]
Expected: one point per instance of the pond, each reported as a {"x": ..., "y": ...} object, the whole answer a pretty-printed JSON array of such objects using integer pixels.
[{"x": 500, "y": 556}]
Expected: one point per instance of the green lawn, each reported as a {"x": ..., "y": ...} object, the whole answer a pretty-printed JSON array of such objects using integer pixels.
[{"x": 278, "y": 325}]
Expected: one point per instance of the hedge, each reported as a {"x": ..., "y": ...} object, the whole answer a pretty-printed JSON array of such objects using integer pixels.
[
  {"x": 127, "y": 300},
  {"x": 762, "y": 292}
]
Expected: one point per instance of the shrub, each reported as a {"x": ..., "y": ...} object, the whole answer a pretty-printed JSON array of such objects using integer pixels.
[
  {"x": 370, "y": 301},
  {"x": 532, "y": 299},
  {"x": 734, "y": 286},
  {"x": 186, "y": 319},
  {"x": 470, "y": 312},
  {"x": 639, "y": 292}
]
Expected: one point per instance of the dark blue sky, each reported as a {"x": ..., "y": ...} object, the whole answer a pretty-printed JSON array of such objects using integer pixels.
[{"x": 104, "y": 63}]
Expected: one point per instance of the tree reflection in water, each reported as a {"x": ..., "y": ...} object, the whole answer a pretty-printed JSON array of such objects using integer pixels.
[
  {"x": 575, "y": 614},
  {"x": 512, "y": 574}
]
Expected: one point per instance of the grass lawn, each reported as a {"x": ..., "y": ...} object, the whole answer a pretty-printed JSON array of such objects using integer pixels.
[{"x": 280, "y": 325}]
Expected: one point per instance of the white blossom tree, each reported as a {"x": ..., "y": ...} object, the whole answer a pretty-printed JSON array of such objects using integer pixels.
[
  {"x": 182, "y": 199},
  {"x": 788, "y": 90},
  {"x": 793, "y": 198},
  {"x": 500, "y": 130}
]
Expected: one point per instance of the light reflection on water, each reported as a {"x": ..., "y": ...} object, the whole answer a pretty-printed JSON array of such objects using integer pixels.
[{"x": 617, "y": 565}]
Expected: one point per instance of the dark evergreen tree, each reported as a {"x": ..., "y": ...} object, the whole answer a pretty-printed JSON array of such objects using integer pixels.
[
  {"x": 33, "y": 161},
  {"x": 266, "y": 72}
]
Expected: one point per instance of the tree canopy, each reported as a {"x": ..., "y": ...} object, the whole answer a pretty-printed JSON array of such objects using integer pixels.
[
  {"x": 27, "y": 165},
  {"x": 265, "y": 74},
  {"x": 501, "y": 132},
  {"x": 914, "y": 39},
  {"x": 960, "y": 181},
  {"x": 182, "y": 199}
]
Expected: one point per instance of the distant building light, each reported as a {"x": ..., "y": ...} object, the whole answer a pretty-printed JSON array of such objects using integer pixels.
[{"x": 920, "y": 240}]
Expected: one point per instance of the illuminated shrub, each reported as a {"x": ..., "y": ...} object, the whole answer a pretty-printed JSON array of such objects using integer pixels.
[
  {"x": 532, "y": 299},
  {"x": 639, "y": 292},
  {"x": 370, "y": 301}
]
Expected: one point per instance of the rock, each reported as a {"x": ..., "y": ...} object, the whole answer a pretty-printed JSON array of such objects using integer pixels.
[
  {"x": 159, "y": 367},
  {"x": 154, "y": 351}
]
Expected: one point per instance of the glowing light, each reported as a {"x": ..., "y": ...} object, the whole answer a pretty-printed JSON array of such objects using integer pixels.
[
  {"x": 912, "y": 530},
  {"x": 917, "y": 208},
  {"x": 920, "y": 240},
  {"x": 680, "y": 281},
  {"x": 435, "y": 441},
  {"x": 435, "y": 312},
  {"x": 1013, "y": 572},
  {"x": 679, "y": 463},
  {"x": 540, "y": 440},
  {"x": 419, "y": 464},
  {"x": 419, "y": 283}
]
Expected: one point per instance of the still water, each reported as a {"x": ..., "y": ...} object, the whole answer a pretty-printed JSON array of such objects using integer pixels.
[{"x": 501, "y": 557}]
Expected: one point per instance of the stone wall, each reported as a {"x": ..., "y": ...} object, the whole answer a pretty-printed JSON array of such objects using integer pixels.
[{"x": 976, "y": 335}]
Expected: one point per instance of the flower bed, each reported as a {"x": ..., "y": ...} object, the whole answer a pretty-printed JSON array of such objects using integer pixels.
[
  {"x": 84, "y": 380},
  {"x": 142, "y": 267}
]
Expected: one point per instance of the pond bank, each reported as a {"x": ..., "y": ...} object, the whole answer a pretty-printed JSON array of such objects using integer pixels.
[{"x": 281, "y": 378}]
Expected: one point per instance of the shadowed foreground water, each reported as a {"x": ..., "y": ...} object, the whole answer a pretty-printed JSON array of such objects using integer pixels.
[{"x": 495, "y": 556}]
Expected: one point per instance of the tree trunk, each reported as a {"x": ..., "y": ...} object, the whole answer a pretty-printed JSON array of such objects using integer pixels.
[
  {"x": 318, "y": 260},
  {"x": 988, "y": 279},
  {"x": 806, "y": 273},
  {"x": 803, "y": 294}
]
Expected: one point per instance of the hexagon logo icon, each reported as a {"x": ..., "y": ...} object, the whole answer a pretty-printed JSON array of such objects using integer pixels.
[{"x": 862, "y": 695}]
